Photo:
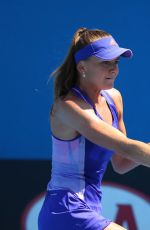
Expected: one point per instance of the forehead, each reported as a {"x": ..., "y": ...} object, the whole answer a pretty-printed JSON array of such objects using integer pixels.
[{"x": 96, "y": 59}]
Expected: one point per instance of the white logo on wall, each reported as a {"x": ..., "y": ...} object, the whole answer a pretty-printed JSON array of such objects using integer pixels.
[{"x": 121, "y": 204}]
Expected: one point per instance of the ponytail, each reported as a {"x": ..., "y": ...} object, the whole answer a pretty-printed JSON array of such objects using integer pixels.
[{"x": 66, "y": 75}]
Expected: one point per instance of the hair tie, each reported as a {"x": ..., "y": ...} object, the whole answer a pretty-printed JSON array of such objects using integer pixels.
[{"x": 83, "y": 31}]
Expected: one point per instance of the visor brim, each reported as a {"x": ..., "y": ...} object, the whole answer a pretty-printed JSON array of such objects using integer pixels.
[{"x": 114, "y": 52}]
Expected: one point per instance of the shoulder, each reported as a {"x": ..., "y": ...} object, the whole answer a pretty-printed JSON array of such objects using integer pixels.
[
  {"x": 73, "y": 99},
  {"x": 117, "y": 98},
  {"x": 65, "y": 105},
  {"x": 115, "y": 94}
]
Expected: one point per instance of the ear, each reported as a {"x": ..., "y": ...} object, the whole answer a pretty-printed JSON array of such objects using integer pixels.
[{"x": 81, "y": 67}]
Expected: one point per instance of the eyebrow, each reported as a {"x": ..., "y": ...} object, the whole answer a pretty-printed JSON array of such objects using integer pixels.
[{"x": 117, "y": 59}]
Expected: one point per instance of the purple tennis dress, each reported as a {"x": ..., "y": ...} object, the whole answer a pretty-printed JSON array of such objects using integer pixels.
[{"x": 73, "y": 198}]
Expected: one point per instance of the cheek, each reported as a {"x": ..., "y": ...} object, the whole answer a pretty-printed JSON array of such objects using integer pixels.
[
  {"x": 117, "y": 71},
  {"x": 97, "y": 72},
  {"x": 96, "y": 75}
]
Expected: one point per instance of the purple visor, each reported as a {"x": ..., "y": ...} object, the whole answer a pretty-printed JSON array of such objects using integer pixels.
[{"x": 105, "y": 48}]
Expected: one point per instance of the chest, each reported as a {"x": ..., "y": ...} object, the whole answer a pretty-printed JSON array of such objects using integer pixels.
[{"x": 105, "y": 112}]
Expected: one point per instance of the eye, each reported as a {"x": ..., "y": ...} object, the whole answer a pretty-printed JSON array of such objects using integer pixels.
[
  {"x": 106, "y": 63},
  {"x": 109, "y": 63},
  {"x": 117, "y": 61}
]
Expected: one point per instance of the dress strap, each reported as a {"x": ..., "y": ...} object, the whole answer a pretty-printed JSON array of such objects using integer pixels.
[
  {"x": 110, "y": 102},
  {"x": 81, "y": 94}
]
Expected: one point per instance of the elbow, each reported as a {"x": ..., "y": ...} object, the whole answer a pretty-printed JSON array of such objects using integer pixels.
[
  {"x": 119, "y": 170},
  {"x": 120, "y": 165}
]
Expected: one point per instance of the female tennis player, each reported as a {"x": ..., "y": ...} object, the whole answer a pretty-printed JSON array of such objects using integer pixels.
[{"x": 87, "y": 132}]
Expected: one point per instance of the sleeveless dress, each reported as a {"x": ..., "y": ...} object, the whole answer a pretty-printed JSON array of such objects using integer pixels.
[{"x": 73, "y": 198}]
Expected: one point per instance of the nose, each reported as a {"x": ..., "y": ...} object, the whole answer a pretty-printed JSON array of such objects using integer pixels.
[
  {"x": 113, "y": 65},
  {"x": 113, "y": 68}
]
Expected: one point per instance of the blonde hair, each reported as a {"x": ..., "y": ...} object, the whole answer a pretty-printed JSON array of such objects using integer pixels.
[{"x": 66, "y": 74}]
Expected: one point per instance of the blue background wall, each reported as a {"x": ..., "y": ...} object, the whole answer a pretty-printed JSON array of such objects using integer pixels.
[{"x": 35, "y": 37}]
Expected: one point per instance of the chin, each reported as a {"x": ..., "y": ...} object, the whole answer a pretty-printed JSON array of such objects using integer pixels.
[{"x": 108, "y": 87}]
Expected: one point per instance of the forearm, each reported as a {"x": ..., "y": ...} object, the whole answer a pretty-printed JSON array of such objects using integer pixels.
[
  {"x": 121, "y": 164},
  {"x": 127, "y": 165},
  {"x": 138, "y": 152}
]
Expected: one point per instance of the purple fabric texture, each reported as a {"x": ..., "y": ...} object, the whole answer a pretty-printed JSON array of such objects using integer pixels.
[
  {"x": 105, "y": 48},
  {"x": 73, "y": 199}
]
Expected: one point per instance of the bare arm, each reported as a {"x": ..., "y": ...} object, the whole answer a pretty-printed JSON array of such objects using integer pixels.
[
  {"x": 82, "y": 119},
  {"x": 121, "y": 164}
]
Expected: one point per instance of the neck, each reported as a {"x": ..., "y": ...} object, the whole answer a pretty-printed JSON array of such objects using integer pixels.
[{"x": 92, "y": 91}]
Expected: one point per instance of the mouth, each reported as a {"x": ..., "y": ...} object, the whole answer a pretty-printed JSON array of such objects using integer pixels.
[{"x": 110, "y": 78}]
